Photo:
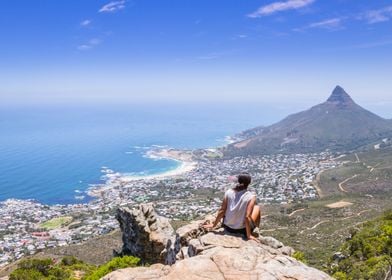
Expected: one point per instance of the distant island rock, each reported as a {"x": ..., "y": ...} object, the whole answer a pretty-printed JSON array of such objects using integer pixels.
[
  {"x": 339, "y": 124},
  {"x": 191, "y": 253}
]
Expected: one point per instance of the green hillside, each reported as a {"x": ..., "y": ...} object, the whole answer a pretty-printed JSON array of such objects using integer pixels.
[{"x": 368, "y": 253}]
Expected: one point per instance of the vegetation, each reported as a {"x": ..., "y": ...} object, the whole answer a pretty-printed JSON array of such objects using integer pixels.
[
  {"x": 300, "y": 256},
  {"x": 319, "y": 230},
  {"x": 114, "y": 264},
  {"x": 56, "y": 223},
  {"x": 69, "y": 268},
  {"x": 368, "y": 253},
  {"x": 97, "y": 250}
]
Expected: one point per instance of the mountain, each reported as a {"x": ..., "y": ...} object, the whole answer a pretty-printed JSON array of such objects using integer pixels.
[{"x": 338, "y": 124}]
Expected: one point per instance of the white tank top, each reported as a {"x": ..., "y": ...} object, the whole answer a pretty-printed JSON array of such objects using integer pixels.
[{"x": 237, "y": 203}]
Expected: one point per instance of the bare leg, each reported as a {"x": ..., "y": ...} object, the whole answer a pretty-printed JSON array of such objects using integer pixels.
[{"x": 256, "y": 215}]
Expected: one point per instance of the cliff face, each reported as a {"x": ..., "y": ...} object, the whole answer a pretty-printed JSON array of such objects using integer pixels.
[{"x": 191, "y": 253}]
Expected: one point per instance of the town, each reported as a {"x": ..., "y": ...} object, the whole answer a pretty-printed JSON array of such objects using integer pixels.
[{"x": 26, "y": 226}]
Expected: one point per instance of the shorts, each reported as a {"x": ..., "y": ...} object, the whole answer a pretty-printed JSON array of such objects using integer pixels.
[{"x": 240, "y": 230}]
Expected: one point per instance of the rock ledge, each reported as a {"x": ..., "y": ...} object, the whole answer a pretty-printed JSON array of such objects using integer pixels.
[{"x": 195, "y": 254}]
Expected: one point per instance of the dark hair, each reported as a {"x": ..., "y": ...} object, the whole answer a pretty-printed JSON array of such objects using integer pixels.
[{"x": 244, "y": 181}]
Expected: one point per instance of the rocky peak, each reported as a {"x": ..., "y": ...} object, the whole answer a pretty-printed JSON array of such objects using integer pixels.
[
  {"x": 340, "y": 96},
  {"x": 191, "y": 253}
]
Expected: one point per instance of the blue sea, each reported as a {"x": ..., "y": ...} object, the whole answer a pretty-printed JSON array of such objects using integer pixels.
[{"x": 53, "y": 153}]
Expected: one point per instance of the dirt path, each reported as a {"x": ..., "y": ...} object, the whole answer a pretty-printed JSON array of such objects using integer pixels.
[
  {"x": 353, "y": 216},
  {"x": 273, "y": 229},
  {"x": 382, "y": 168},
  {"x": 78, "y": 274},
  {"x": 344, "y": 182},
  {"x": 299, "y": 210},
  {"x": 317, "y": 184},
  {"x": 315, "y": 226},
  {"x": 356, "y": 155}
]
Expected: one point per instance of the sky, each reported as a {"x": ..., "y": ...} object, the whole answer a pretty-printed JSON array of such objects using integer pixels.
[{"x": 289, "y": 51}]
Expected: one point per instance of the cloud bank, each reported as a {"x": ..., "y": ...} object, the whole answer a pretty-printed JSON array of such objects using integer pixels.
[
  {"x": 113, "y": 7},
  {"x": 376, "y": 16},
  {"x": 280, "y": 7}
]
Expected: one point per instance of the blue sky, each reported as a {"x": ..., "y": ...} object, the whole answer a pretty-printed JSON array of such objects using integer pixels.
[{"x": 289, "y": 51}]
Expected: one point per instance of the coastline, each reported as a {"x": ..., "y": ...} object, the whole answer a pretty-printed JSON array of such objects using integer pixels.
[
  {"x": 185, "y": 167},
  {"x": 185, "y": 158},
  {"x": 187, "y": 164}
]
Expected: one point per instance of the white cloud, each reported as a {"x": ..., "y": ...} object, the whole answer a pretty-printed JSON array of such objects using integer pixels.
[
  {"x": 380, "y": 15},
  {"x": 94, "y": 41},
  {"x": 84, "y": 47},
  {"x": 279, "y": 7},
  {"x": 85, "y": 23},
  {"x": 89, "y": 45},
  {"x": 332, "y": 23},
  {"x": 113, "y": 6}
]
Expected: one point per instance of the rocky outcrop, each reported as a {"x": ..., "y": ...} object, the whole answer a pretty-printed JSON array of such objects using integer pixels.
[
  {"x": 147, "y": 235},
  {"x": 202, "y": 255}
]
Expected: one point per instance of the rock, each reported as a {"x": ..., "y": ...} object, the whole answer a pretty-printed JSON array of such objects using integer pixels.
[
  {"x": 195, "y": 254},
  {"x": 215, "y": 239},
  {"x": 183, "y": 254},
  {"x": 285, "y": 250},
  {"x": 147, "y": 235},
  {"x": 153, "y": 272},
  {"x": 193, "y": 230},
  {"x": 338, "y": 256},
  {"x": 195, "y": 247},
  {"x": 243, "y": 260},
  {"x": 272, "y": 242}
]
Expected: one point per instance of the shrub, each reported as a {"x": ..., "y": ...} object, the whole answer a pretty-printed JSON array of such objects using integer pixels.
[
  {"x": 340, "y": 276},
  {"x": 36, "y": 267},
  {"x": 70, "y": 260},
  {"x": 369, "y": 251},
  {"x": 114, "y": 264},
  {"x": 58, "y": 273},
  {"x": 298, "y": 255},
  {"x": 26, "y": 274},
  {"x": 46, "y": 269}
]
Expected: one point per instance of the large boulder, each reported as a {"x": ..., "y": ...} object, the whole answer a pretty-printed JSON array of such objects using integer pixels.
[
  {"x": 147, "y": 235},
  {"x": 196, "y": 254}
]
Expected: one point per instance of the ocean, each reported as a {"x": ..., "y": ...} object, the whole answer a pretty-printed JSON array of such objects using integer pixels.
[{"x": 53, "y": 153}]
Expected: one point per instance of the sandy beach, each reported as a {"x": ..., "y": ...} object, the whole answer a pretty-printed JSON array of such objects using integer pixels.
[
  {"x": 183, "y": 168},
  {"x": 187, "y": 164},
  {"x": 184, "y": 157}
]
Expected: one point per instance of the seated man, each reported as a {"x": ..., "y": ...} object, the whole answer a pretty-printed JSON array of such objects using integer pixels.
[{"x": 239, "y": 210}]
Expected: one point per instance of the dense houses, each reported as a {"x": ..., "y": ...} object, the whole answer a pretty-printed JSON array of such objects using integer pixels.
[{"x": 276, "y": 179}]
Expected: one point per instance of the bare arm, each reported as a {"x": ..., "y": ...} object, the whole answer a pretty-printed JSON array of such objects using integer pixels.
[
  {"x": 248, "y": 217},
  {"x": 221, "y": 214}
]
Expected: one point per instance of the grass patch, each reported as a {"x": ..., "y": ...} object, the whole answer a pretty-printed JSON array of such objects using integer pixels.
[{"x": 56, "y": 223}]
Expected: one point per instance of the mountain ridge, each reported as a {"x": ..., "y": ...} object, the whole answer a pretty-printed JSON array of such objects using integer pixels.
[{"x": 336, "y": 124}]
